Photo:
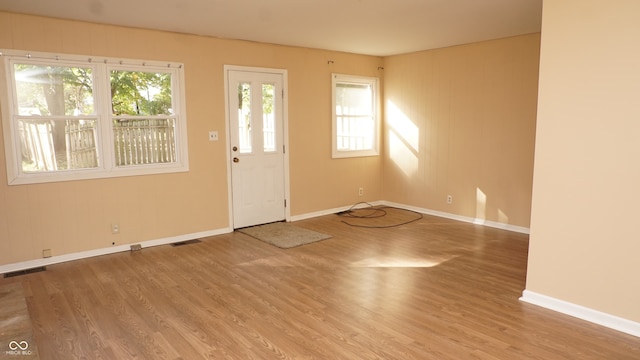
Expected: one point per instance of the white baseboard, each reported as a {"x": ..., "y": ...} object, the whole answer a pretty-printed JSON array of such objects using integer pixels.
[
  {"x": 331, "y": 211},
  {"x": 114, "y": 249},
  {"x": 493, "y": 224},
  {"x": 24, "y": 265},
  {"x": 581, "y": 312}
]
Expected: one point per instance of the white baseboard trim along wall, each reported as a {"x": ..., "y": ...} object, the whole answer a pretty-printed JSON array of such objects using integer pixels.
[
  {"x": 493, "y": 224},
  {"x": 30, "y": 264},
  {"x": 333, "y": 211},
  {"x": 581, "y": 312}
]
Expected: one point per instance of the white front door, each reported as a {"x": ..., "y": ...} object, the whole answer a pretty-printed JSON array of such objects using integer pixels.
[{"x": 255, "y": 106}]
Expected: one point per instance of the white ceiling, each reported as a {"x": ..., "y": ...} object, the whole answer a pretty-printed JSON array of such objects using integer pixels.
[{"x": 372, "y": 27}]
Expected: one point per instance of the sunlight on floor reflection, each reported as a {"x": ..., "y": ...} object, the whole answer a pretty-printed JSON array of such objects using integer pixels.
[{"x": 403, "y": 262}]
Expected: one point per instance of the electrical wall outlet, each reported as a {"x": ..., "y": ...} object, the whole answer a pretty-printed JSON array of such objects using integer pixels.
[
  {"x": 115, "y": 229},
  {"x": 46, "y": 253},
  {"x": 360, "y": 191},
  {"x": 449, "y": 199},
  {"x": 213, "y": 136}
]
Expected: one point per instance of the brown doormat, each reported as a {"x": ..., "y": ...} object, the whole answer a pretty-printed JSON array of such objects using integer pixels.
[
  {"x": 284, "y": 235},
  {"x": 16, "y": 338}
]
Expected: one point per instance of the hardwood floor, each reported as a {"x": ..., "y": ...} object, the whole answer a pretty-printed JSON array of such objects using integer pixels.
[
  {"x": 431, "y": 289},
  {"x": 16, "y": 339}
]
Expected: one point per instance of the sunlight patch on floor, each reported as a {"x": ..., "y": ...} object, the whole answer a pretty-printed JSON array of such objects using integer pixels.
[{"x": 403, "y": 262}]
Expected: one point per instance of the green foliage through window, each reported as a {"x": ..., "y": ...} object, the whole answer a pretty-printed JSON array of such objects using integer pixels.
[
  {"x": 74, "y": 117},
  {"x": 54, "y": 90},
  {"x": 140, "y": 93},
  {"x": 244, "y": 97}
]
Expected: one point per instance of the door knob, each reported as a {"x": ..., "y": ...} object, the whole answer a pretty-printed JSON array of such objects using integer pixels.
[
  {"x": 235, "y": 159},
  {"x": 235, "y": 148}
]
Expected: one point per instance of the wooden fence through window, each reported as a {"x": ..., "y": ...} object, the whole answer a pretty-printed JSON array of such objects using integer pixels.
[
  {"x": 37, "y": 145},
  {"x": 144, "y": 141},
  {"x": 80, "y": 139},
  {"x": 136, "y": 142}
]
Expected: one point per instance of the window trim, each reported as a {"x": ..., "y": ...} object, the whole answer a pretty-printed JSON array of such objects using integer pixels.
[
  {"x": 359, "y": 80},
  {"x": 102, "y": 103}
]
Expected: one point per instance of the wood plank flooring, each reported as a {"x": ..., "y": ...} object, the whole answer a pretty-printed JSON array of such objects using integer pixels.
[
  {"x": 431, "y": 289},
  {"x": 16, "y": 337}
]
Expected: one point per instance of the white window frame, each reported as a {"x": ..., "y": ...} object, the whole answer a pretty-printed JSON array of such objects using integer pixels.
[
  {"x": 357, "y": 80},
  {"x": 102, "y": 103}
]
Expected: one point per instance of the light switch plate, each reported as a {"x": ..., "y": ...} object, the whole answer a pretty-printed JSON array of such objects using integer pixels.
[{"x": 213, "y": 136}]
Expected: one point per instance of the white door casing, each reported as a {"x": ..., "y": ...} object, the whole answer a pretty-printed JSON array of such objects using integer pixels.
[{"x": 258, "y": 166}]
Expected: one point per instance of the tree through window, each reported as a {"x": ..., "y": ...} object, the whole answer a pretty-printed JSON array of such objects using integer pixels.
[{"x": 75, "y": 118}]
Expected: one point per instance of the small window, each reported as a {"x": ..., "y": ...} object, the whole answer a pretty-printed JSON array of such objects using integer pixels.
[
  {"x": 355, "y": 116},
  {"x": 77, "y": 118}
]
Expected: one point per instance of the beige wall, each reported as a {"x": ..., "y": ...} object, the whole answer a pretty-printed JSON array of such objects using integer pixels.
[
  {"x": 585, "y": 244},
  {"x": 461, "y": 121},
  {"x": 470, "y": 116},
  {"x": 75, "y": 216}
]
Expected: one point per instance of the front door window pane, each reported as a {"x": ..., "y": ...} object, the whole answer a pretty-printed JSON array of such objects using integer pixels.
[
  {"x": 244, "y": 117},
  {"x": 268, "y": 117}
]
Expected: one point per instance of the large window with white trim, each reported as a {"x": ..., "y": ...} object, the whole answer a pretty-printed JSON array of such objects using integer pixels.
[
  {"x": 73, "y": 117},
  {"x": 356, "y": 118}
]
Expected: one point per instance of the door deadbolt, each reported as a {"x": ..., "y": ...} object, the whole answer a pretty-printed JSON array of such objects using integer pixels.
[{"x": 235, "y": 148}]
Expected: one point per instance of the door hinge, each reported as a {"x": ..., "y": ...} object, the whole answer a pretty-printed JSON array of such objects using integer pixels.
[
  {"x": 285, "y": 202},
  {"x": 283, "y": 149}
]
